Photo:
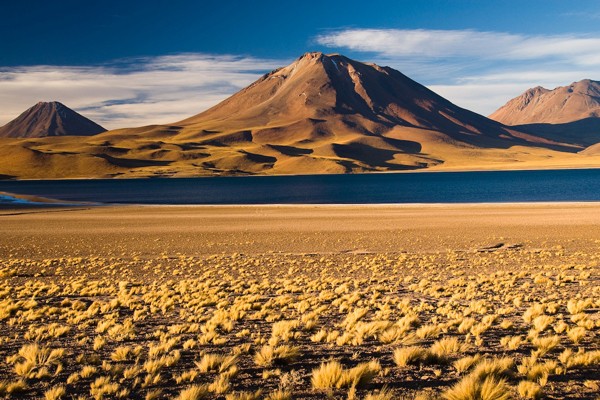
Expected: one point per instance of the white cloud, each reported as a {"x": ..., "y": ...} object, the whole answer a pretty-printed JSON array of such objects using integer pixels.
[
  {"x": 477, "y": 70},
  {"x": 460, "y": 43},
  {"x": 418, "y": 42},
  {"x": 132, "y": 92}
]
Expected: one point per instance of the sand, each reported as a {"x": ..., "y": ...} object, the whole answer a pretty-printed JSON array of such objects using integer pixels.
[{"x": 202, "y": 230}]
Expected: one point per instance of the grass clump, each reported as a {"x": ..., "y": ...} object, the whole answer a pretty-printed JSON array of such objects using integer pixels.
[
  {"x": 269, "y": 355},
  {"x": 529, "y": 390},
  {"x": 194, "y": 392},
  {"x": 473, "y": 388},
  {"x": 333, "y": 375},
  {"x": 411, "y": 355}
]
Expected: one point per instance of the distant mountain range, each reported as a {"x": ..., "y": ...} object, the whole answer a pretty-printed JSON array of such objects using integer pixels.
[
  {"x": 50, "y": 119},
  {"x": 320, "y": 114}
]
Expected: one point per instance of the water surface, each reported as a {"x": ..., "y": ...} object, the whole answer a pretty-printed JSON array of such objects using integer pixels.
[{"x": 423, "y": 187}]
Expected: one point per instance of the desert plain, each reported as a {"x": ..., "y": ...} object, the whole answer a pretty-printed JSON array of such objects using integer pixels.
[{"x": 465, "y": 301}]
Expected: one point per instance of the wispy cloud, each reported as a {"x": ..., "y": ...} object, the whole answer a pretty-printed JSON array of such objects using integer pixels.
[
  {"x": 475, "y": 69},
  {"x": 461, "y": 43},
  {"x": 132, "y": 92}
]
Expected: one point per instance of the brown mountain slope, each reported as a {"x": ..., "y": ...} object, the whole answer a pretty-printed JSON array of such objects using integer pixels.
[
  {"x": 49, "y": 119},
  {"x": 320, "y": 114},
  {"x": 564, "y": 104},
  {"x": 322, "y": 96}
]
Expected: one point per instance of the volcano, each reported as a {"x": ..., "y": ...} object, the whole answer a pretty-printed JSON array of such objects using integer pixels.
[
  {"x": 324, "y": 96},
  {"x": 50, "y": 119}
]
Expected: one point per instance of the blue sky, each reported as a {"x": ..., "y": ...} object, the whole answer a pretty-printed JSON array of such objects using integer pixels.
[{"x": 128, "y": 63}]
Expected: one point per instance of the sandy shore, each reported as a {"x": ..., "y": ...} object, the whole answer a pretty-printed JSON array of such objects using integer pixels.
[{"x": 199, "y": 230}]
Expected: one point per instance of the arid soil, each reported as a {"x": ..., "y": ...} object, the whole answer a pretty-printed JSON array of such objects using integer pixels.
[{"x": 379, "y": 302}]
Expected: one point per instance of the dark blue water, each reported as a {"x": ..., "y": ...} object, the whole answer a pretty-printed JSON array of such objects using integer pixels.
[{"x": 425, "y": 187}]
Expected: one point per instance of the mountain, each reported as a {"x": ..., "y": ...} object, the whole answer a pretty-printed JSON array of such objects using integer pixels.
[
  {"x": 50, "y": 119},
  {"x": 320, "y": 114},
  {"x": 322, "y": 96},
  {"x": 331, "y": 113},
  {"x": 567, "y": 114},
  {"x": 579, "y": 100}
]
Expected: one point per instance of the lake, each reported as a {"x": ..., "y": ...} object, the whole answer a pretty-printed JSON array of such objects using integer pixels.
[{"x": 423, "y": 187}]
